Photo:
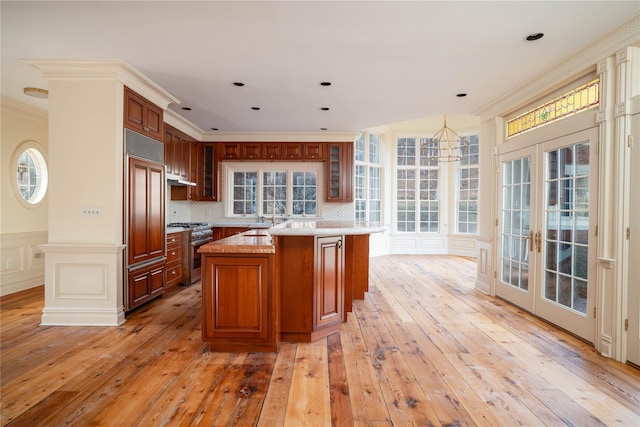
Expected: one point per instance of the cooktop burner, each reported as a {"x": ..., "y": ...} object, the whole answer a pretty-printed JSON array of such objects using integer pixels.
[{"x": 187, "y": 224}]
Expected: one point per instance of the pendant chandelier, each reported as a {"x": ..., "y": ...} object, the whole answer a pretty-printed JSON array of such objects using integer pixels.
[{"x": 446, "y": 145}]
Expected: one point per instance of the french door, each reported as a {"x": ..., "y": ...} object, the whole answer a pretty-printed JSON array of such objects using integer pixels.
[{"x": 546, "y": 236}]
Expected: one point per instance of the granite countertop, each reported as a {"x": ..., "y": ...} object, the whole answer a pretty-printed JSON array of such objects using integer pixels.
[
  {"x": 256, "y": 241},
  {"x": 259, "y": 240}
]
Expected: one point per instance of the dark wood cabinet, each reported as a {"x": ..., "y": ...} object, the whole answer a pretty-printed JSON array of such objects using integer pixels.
[
  {"x": 230, "y": 151},
  {"x": 177, "y": 153},
  {"x": 208, "y": 177},
  {"x": 144, "y": 284},
  {"x": 142, "y": 116},
  {"x": 339, "y": 172},
  {"x": 311, "y": 286},
  {"x": 239, "y": 302},
  {"x": 174, "y": 264},
  {"x": 301, "y": 151},
  {"x": 329, "y": 289},
  {"x": 203, "y": 171},
  {"x": 313, "y": 151},
  {"x": 146, "y": 230}
]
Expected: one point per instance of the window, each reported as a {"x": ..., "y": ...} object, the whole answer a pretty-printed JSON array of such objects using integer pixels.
[
  {"x": 31, "y": 174},
  {"x": 467, "y": 203},
  {"x": 368, "y": 171},
  {"x": 417, "y": 186},
  {"x": 273, "y": 189},
  {"x": 579, "y": 99}
]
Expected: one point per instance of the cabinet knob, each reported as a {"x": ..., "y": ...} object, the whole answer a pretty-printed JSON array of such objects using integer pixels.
[
  {"x": 173, "y": 253},
  {"x": 173, "y": 240},
  {"x": 173, "y": 272}
]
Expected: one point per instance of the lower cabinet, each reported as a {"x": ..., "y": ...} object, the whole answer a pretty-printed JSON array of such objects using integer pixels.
[
  {"x": 145, "y": 284},
  {"x": 312, "y": 286},
  {"x": 240, "y": 302},
  {"x": 174, "y": 264}
]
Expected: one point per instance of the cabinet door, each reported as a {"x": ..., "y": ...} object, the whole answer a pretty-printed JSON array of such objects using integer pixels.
[
  {"x": 142, "y": 116},
  {"x": 313, "y": 151},
  {"x": 153, "y": 121},
  {"x": 271, "y": 150},
  {"x": 339, "y": 172},
  {"x": 230, "y": 151},
  {"x": 144, "y": 284},
  {"x": 329, "y": 298},
  {"x": 251, "y": 150},
  {"x": 193, "y": 193},
  {"x": 146, "y": 237},
  {"x": 208, "y": 179},
  {"x": 235, "y": 297},
  {"x": 291, "y": 151}
]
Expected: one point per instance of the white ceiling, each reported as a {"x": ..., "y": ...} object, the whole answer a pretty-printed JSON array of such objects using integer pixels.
[{"x": 388, "y": 61}]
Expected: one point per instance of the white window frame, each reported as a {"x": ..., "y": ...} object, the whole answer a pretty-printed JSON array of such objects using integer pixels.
[
  {"x": 459, "y": 167},
  {"x": 39, "y": 157},
  {"x": 368, "y": 165},
  {"x": 418, "y": 167},
  {"x": 229, "y": 168}
]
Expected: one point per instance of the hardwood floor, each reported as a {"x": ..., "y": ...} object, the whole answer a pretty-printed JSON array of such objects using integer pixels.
[{"x": 423, "y": 348}]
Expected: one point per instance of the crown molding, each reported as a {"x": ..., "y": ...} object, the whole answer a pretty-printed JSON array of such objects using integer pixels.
[
  {"x": 280, "y": 136},
  {"x": 117, "y": 70},
  {"x": 18, "y": 107}
]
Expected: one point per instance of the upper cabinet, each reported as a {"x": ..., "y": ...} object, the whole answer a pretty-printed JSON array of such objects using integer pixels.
[
  {"x": 177, "y": 153},
  {"x": 339, "y": 172},
  {"x": 142, "y": 116},
  {"x": 294, "y": 151}
]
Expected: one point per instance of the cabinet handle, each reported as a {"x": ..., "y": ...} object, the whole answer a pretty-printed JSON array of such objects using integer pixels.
[{"x": 340, "y": 244}]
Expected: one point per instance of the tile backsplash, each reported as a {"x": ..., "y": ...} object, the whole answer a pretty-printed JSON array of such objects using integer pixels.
[{"x": 185, "y": 211}]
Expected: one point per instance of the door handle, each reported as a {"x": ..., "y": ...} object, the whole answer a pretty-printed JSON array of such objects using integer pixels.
[{"x": 531, "y": 242}]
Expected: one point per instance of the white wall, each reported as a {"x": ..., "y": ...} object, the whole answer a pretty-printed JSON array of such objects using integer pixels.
[{"x": 22, "y": 227}]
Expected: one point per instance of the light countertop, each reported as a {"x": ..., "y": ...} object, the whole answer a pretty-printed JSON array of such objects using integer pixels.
[{"x": 325, "y": 228}]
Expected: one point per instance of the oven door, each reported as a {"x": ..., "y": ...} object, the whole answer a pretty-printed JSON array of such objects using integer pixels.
[{"x": 196, "y": 259}]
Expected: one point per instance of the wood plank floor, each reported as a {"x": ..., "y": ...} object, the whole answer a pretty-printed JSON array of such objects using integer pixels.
[{"x": 423, "y": 348}]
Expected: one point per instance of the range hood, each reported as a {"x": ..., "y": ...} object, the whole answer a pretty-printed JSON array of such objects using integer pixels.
[{"x": 178, "y": 181}]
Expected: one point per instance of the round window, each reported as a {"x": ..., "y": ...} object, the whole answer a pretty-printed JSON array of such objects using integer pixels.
[{"x": 31, "y": 174}]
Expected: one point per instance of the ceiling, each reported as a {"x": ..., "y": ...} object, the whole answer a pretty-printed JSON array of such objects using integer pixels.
[{"x": 387, "y": 61}]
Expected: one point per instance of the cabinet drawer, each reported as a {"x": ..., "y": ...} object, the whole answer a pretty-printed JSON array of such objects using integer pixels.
[
  {"x": 173, "y": 275},
  {"x": 174, "y": 254},
  {"x": 174, "y": 239}
]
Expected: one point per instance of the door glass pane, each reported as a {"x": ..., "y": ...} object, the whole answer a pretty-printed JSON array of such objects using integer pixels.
[
  {"x": 567, "y": 226},
  {"x": 516, "y": 222}
]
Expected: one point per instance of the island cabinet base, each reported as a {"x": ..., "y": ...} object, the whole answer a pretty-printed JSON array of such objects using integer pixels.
[
  {"x": 311, "y": 286},
  {"x": 240, "y": 302}
]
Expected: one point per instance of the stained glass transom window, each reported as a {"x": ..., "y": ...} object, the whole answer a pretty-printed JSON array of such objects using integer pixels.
[{"x": 579, "y": 99}]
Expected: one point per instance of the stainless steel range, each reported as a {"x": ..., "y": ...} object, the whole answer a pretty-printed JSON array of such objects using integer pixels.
[{"x": 196, "y": 234}]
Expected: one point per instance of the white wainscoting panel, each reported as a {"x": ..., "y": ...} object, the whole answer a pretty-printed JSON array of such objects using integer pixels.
[
  {"x": 483, "y": 278},
  {"x": 21, "y": 261},
  {"x": 83, "y": 285},
  {"x": 81, "y": 281}
]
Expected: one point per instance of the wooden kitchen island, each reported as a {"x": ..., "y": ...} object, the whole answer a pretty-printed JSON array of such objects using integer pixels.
[{"x": 293, "y": 282}]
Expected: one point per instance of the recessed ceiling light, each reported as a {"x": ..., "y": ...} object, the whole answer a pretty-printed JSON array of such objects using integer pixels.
[
  {"x": 325, "y": 83},
  {"x": 214, "y": 128},
  {"x": 255, "y": 108},
  {"x": 534, "y": 36},
  {"x": 186, "y": 108},
  {"x": 36, "y": 92},
  {"x": 239, "y": 84},
  {"x": 323, "y": 129},
  {"x": 461, "y": 95},
  {"x": 324, "y": 108}
]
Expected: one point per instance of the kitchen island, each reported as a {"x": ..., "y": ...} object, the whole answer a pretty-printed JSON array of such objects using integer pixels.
[{"x": 292, "y": 282}]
